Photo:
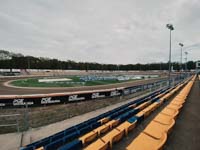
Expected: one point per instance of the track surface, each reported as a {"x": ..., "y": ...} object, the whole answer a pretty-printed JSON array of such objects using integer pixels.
[{"x": 4, "y": 90}]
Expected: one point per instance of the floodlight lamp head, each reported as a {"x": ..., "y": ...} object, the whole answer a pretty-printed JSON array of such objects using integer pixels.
[
  {"x": 170, "y": 26},
  {"x": 181, "y": 44}
]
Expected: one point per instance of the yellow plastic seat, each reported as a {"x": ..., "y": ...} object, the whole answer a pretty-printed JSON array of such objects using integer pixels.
[
  {"x": 179, "y": 99},
  {"x": 113, "y": 137},
  {"x": 102, "y": 129},
  {"x": 133, "y": 105},
  {"x": 126, "y": 126},
  {"x": 88, "y": 137},
  {"x": 164, "y": 119},
  {"x": 104, "y": 120},
  {"x": 158, "y": 103},
  {"x": 112, "y": 123},
  {"x": 180, "y": 103},
  {"x": 180, "y": 95},
  {"x": 176, "y": 107},
  {"x": 160, "y": 95},
  {"x": 149, "y": 109},
  {"x": 166, "y": 96},
  {"x": 146, "y": 142},
  {"x": 141, "y": 113},
  {"x": 154, "y": 105},
  {"x": 156, "y": 129},
  {"x": 98, "y": 145},
  {"x": 40, "y": 148},
  {"x": 146, "y": 111},
  {"x": 174, "y": 91},
  {"x": 162, "y": 99},
  {"x": 142, "y": 106},
  {"x": 170, "y": 112}
]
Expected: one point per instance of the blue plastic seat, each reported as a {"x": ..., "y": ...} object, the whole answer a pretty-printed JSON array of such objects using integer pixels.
[
  {"x": 70, "y": 130},
  {"x": 140, "y": 102},
  {"x": 57, "y": 136},
  {"x": 140, "y": 119},
  {"x": 32, "y": 144},
  {"x": 95, "y": 125},
  {"x": 81, "y": 125},
  {"x": 127, "y": 115},
  {"x": 74, "y": 145},
  {"x": 84, "y": 130},
  {"x": 27, "y": 148},
  {"x": 124, "y": 117},
  {"x": 42, "y": 142},
  {"x": 132, "y": 119},
  {"x": 54, "y": 145},
  {"x": 70, "y": 137},
  {"x": 154, "y": 99}
]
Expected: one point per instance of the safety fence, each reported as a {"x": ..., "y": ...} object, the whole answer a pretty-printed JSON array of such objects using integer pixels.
[
  {"x": 63, "y": 98},
  {"x": 33, "y": 117}
]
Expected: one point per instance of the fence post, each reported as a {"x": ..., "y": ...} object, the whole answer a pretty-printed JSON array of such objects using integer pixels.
[
  {"x": 26, "y": 117},
  {"x": 17, "y": 121}
]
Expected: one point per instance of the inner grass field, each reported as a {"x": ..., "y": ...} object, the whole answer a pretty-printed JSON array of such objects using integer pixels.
[{"x": 33, "y": 82}]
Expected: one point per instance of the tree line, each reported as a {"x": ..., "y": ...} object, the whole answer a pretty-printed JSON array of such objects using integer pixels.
[{"x": 30, "y": 62}]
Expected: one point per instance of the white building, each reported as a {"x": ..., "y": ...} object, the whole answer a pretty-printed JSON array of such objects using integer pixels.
[{"x": 198, "y": 67}]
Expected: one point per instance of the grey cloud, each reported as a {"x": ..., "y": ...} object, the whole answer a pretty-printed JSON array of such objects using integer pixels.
[{"x": 105, "y": 31}]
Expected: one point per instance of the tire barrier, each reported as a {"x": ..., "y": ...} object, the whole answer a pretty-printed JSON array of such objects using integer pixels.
[{"x": 63, "y": 98}]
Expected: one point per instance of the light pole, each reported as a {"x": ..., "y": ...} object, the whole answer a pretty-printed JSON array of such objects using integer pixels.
[
  {"x": 186, "y": 53},
  {"x": 181, "y": 58},
  {"x": 171, "y": 28}
]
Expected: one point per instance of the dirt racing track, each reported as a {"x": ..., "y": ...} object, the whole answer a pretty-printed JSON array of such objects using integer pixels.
[
  {"x": 9, "y": 90},
  {"x": 16, "y": 97}
]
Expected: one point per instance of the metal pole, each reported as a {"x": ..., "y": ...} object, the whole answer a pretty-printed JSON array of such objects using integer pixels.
[
  {"x": 181, "y": 57},
  {"x": 17, "y": 122},
  {"x": 170, "y": 59},
  {"x": 26, "y": 117},
  {"x": 181, "y": 62},
  {"x": 186, "y": 62}
]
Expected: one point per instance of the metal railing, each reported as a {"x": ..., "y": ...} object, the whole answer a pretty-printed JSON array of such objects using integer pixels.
[{"x": 13, "y": 122}]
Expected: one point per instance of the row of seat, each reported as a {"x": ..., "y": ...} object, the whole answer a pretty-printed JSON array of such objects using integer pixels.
[
  {"x": 117, "y": 133},
  {"x": 119, "y": 118},
  {"x": 74, "y": 132},
  {"x": 154, "y": 136},
  {"x": 112, "y": 126}
]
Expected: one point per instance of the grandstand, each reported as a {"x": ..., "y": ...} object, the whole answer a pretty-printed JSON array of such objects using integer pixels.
[{"x": 103, "y": 131}]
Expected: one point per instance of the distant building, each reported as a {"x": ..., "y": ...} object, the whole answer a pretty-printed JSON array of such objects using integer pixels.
[{"x": 198, "y": 67}]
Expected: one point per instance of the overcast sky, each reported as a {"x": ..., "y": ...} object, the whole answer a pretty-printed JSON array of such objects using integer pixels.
[{"x": 104, "y": 31}]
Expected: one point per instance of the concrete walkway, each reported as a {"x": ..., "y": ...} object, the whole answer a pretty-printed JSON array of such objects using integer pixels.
[{"x": 12, "y": 141}]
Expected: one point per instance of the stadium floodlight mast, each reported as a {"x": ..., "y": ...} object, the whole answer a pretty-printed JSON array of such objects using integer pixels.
[
  {"x": 181, "y": 45},
  {"x": 186, "y": 53},
  {"x": 171, "y": 28}
]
